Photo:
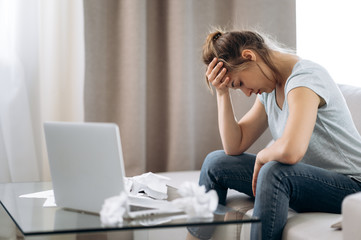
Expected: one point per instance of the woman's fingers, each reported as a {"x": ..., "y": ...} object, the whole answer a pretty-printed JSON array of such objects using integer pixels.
[
  {"x": 213, "y": 70},
  {"x": 216, "y": 72},
  {"x": 225, "y": 83},
  {"x": 211, "y": 66},
  {"x": 216, "y": 75},
  {"x": 219, "y": 79}
]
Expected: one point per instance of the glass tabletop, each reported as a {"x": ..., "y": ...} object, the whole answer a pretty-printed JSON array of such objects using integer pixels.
[{"x": 32, "y": 218}]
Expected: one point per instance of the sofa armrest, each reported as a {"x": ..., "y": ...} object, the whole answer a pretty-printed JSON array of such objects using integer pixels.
[{"x": 351, "y": 214}]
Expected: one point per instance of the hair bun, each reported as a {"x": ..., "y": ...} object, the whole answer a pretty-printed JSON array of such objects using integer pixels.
[{"x": 218, "y": 34}]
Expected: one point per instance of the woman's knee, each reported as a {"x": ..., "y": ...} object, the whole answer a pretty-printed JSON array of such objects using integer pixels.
[
  {"x": 276, "y": 175},
  {"x": 226, "y": 171},
  {"x": 270, "y": 172},
  {"x": 214, "y": 159},
  {"x": 219, "y": 163}
]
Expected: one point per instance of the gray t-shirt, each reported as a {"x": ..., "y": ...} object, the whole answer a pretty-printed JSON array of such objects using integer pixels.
[{"x": 335, "y": 143}]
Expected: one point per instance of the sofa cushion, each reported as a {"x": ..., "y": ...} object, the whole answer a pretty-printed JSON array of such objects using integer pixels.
[
  {"x": 351, "y": 212},
  {"x": 177, "y": 178},
  {"x": 312, "y": 226},
  {"x": 239, "y": 201},
  {"x": 352, "y": 96},
  {"x": 305, "y": 226}
]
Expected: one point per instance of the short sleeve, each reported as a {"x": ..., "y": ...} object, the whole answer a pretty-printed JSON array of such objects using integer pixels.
[{"x": 317, "y": 81}]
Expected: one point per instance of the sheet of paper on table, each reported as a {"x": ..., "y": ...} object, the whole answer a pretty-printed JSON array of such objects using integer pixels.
[{"x": 48, "y": 195}]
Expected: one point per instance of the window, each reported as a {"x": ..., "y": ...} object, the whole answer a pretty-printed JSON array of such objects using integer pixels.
[{"x": 329, "y": 33}]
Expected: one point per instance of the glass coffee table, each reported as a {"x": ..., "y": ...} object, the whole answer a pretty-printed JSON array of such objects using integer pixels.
[{"x": 26, "y": 218}]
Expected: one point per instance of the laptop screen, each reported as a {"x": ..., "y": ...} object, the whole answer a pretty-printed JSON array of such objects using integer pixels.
[{"x": 86, "y": 163}]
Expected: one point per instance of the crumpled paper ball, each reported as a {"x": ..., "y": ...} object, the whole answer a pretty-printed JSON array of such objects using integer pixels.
[
  {"x": 113, "y": 210},
  {"x": 153, "y": 185},
  {"x": 195, "y": 202}
]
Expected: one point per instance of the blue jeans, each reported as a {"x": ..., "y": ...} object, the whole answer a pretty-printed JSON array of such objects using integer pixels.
[{"x": 302, "y": 187}]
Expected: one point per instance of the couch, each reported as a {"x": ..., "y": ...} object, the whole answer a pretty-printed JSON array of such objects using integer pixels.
[{"x": 300, "y": 226}]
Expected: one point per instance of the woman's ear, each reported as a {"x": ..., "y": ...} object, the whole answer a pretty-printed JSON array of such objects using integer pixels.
[{"x": 249, "y": 54}]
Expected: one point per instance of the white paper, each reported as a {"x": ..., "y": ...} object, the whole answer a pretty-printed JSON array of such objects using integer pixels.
[
  {"x": 49, "y": 202},
  {"x": 195, "y": 201},
  {"x": 113, "y": 210},
  {"x": 153, "y": 185},
  {"x": 43, "y": 194},
  {"x": 48, "y": 195}
]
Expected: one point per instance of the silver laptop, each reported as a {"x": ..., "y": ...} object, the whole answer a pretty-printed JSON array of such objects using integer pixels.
[{"x": 86, "y": 165}]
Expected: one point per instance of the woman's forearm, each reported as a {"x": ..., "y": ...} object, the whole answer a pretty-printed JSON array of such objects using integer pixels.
[{"x": 229, "y": 129}]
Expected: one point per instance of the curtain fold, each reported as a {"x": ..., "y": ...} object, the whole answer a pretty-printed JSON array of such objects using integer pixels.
[
  {"x": 144, "y": 72},
  {"x": 61, "y": 64},
  {"x": 18, "y": 157},
  {"x": 41, "y": 79}
]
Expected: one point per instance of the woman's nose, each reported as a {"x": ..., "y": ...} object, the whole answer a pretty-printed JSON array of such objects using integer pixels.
[{"x": 246, "y": 91}]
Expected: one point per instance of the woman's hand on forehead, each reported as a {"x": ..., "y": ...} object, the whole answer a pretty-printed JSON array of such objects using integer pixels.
[{"x": 216, "y": 75}]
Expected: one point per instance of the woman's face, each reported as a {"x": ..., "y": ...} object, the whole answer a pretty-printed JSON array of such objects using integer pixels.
[{"x": 256, "y": 79}]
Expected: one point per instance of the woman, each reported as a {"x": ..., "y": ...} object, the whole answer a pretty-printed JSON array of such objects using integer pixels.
[{"x": 315, "y": 159}]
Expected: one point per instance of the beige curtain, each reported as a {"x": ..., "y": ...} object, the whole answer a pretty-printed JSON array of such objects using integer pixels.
[{"x": 143, "y": 71}]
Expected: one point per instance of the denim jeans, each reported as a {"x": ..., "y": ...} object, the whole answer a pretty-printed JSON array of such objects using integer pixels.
[{"x": 302, "y": 187}]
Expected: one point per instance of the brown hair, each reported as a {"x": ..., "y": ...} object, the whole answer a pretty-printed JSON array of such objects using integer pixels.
[{"x": 227, "y": 47}]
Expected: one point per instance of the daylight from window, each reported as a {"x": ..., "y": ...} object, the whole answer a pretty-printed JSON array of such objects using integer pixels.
[{"x": 329, "y": 33}]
